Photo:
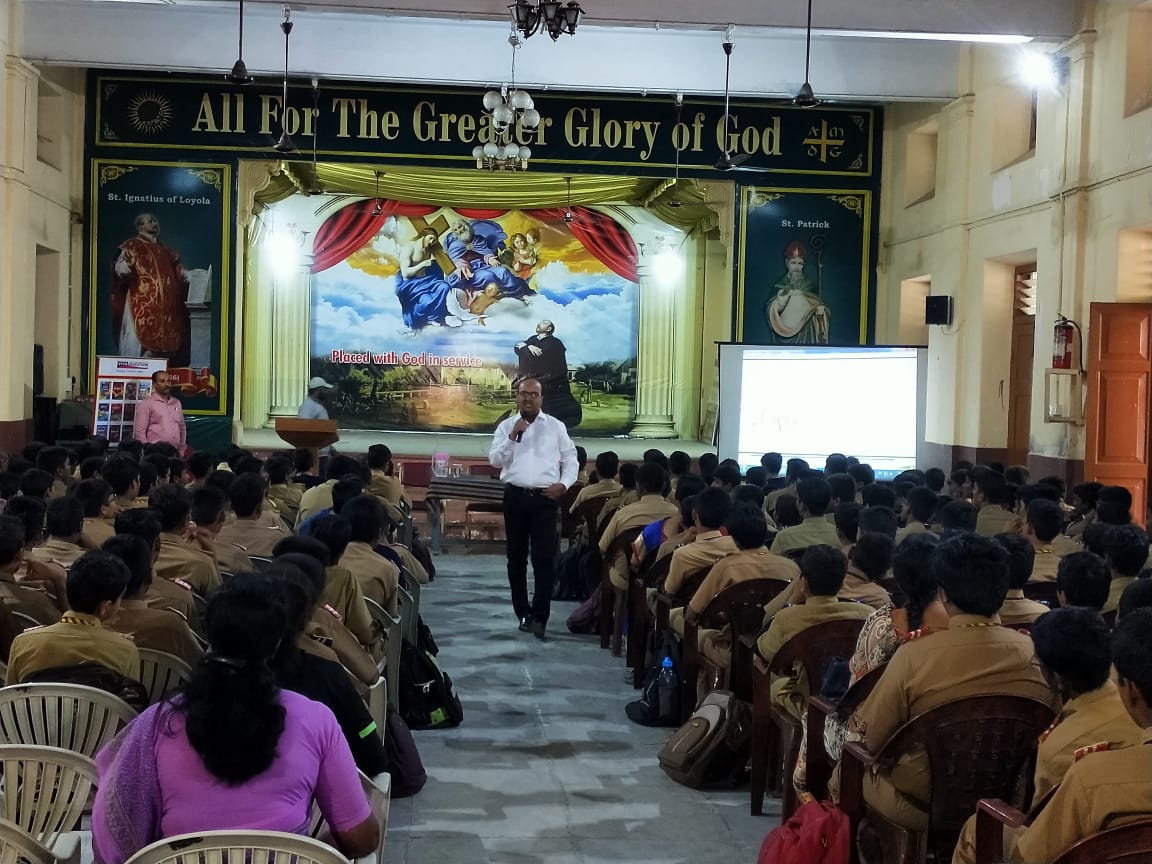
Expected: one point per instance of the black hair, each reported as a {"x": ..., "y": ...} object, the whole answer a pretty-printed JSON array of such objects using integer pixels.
[
  {"x": 278, "y": 466},
  {"x": 1095, "y": 538},
  {"x": 206, "y": 505},
  {"x": 650, "y": 478},
  {"x": 92, "y": 495},
  {"x": 958, "y": 516},
  {"x": 607, "y": 464},
  {"x": 136, "y": 553},
  {"x": 654, "y": 454},
  {"x": 235, "y": 458},
  {"x": 30, "y": 511},
  {"x": 795, "y": 466},
  {"x": 11, "y": 539},
  {"x": 334, "y": 532},
  {"x": 687, "y": 508},
  {"x": 627, "y": 475},
  {"x": 771, "y": 462},
  {"x": 847, "y": 518},
  {"x": 815, "y": 494},
  {"x": 200, "y": 464},
  {"x": 878, "y": 520},
  {"x": 912, "y": 569},
  {"x": 344, "y": 491},
  {"x": 679, "y": 463},
  {"x": 1054, "y": 482},
  {"x": 31, "y": 450},
  {"x": 1138, "y": 595},
  {"x": 1132, "y": 651},
  {"x": 836, "y": 463},
  {"x": 921, "y": 503},
  {"x": 248, "y": 465},
  {"x": 973, "y": 572},
  {"x": 872, "y": 554},
  {"x": 92, "y": 468},
  {"x": 95, "y": 578},
  {"x": 221, "y": 479},
  {"x": 52, "y": 459},
  {"x": 144, "y": 522},
  {"x": 998, "y": 467},
  {"x": 232, "y": 711},
  {"x": 159, "y": 464},
  {"x": 172, "y": 504},
  {"x": 298, "y": 595},
  {"x": 9, "y": 484},
  {"x": 94, "y": 446},
  {"x": 64, "y": 517},
  {"x": 748, "y": 493},
  {"x": 1083, "y": 578},
  {"x": 1017, "y": 474},
  {"x": 747, "y": 526},
  {"x": 1046, "y": 519},
  {"x": 991, "y": 484},
  {"x": 582, "y": 456},
  {"x": 35, "y": 483},
  {"x": 756, "y": 476},
  {"x": 341, "y": 466},
  {"x": 689, "y": 484},
  {"x": 148, "y": 476},
  {"x": 314, "y": 571},
  {"x": 1114, "y": 505},
  {"x": 876, "y": 495},
  {"x": 712, "y": 506},
  {"x": 1074, "y": 643},
  {"x": 246, "y": 494},
  {"x": 843, "y": 487},
  {"x": 365, "y": 515},
  {"x": 823, "y": 568},
  {"x": 1021, "y": 558},
  {"x": 862, "y": 473},
  {"x": 727, "y": 473},
  {"x": 1088, "y": 493},
  {"x": 310, "y": 546},
  {"x": 1033, "y": 491},
  {"x": 934, "y": 479},
  {"x": 707, "y": 462},
  {"x": 1127, "y": 549},
  {"x": 302, "y": 460},
  {"x": 379, "y": 455},
  {"x": 787, "y": 511}
]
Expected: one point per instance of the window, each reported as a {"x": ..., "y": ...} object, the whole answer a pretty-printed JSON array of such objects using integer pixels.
[
  {"x": 1134, "y": 266},
  {"x": 920, "y": 164},
  {"x": 49, "y": 125},
  {"x": 1138, "y": 72}
]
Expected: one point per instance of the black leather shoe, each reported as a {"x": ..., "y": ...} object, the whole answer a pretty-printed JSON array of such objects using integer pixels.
[
  {"x": 538, "y": 630},
  {"x": 525, "y": 625}
]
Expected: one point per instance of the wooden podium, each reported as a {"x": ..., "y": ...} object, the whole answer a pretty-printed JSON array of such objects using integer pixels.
[{"x": 308, "y": 435}]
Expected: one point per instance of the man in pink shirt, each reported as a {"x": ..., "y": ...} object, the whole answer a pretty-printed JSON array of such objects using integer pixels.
[{"x": 160, "y": 417}]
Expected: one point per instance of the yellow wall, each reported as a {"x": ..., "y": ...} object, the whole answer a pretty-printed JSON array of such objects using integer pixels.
[{"x": 1078, "y": 206}]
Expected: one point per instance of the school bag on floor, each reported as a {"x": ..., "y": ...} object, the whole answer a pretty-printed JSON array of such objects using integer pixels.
[
  {"x": 426, "y": 697},
  {"x": 404, "y": 764},
  {"x": 585, "y": 618},
  {"x": 712, "y": 748},
  {"x": 817, "y": 833}
]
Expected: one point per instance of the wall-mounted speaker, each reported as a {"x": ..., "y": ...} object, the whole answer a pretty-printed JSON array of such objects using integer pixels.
[{"x": 938, "y": 309}]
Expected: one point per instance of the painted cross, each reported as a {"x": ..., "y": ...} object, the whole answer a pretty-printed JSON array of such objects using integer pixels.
[
  {"x": 440, "y": 226},
  {"x": 825, "y": 141}
]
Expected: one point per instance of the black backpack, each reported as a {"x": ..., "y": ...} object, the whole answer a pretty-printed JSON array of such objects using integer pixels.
[
  {"x": 426, "y": 697},
  {"x": 404, "y": 765},
  {"x": 570, "y": 583},
  {"x": 646, "y": 710}
]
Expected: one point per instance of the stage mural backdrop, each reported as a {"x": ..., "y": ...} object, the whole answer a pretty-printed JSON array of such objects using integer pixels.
[{"x": 425, "y": 317}]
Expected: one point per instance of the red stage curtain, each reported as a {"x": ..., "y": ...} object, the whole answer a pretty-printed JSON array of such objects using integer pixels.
[
  {"x": 351, "y": 227},
  {"x": 601, "y": 235},
  {"x": 478, "y": 213}
]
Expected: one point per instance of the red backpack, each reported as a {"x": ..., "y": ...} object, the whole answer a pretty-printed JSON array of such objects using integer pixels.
[{"x": 817, "y": 833}]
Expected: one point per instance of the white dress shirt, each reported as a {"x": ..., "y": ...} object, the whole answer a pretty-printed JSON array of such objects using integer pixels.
[
  {"x": 310, "y": 409},
  {"x": 544, "y": 456}
]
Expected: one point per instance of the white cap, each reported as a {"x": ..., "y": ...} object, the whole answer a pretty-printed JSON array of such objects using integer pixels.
[{"x": 319, "y": 384}]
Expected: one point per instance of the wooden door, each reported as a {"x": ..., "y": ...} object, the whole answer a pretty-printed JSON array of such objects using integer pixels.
[
  {"x": 1020, "y": 387},
  {"x": 1119, "y": 382}
]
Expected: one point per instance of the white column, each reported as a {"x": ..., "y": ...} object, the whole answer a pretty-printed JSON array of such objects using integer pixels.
[
  {"x": 655, "y": 362},
  {"x": 290, "y": 338}
]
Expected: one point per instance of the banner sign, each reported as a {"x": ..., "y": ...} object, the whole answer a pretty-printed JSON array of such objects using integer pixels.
[
  {"x": 581, "y": 132},
  {"x": 159, "y": 268},
  {"x": 805, "y": 268},
  {"x": 121, "y": 384}
]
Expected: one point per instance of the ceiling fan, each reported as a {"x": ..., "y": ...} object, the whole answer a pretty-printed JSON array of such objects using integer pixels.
[
  {"x": 284, "y": 144},
  {"x": 805, "y": 98},
  {"x": 675, "y": 201},
  {"x": 314, "y": 187},
  {"x": 728, "y": 162}
]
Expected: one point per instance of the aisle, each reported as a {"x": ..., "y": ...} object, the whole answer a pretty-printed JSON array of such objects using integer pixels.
[{"x": 546, "y": 769}]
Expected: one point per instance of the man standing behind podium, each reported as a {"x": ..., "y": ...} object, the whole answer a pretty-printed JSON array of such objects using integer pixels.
[
  {"x": 538, "y": 463},
  {"x": 314, "y": 407}
]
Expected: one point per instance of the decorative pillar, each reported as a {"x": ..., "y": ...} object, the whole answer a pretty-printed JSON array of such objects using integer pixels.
[
  {"x": 253, "y": 326},
  {"x": 655, "y": 360},
  {"x": 290, "y": 336}
]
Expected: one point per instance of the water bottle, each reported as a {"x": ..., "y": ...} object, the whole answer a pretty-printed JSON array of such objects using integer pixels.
[{"x": 668, "y": 693}]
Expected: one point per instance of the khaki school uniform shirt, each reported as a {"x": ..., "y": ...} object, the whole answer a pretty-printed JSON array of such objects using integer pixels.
[
  {"x": 813, "y": 531},
  {"x": 772, "y": 497},
  {"x": 1046, "y": 562},
  {"x": 76, "y": 638},
  {"x": 696, "y": 557},
  {"x": 286, "y": 497},
  {"x": 331, "y": 640},
  {"x": 1062, "y": 545},
  {"x": 411, "y": 563},
  {"x": 28, "y": 600},
  {"x": 343, "y": 595},
  {"x": 857, "y": 587},
  {"x": 741, "y": 566},
  {"x": 180, "y": 559},
  {"x": 612, "y": 505},
  {"x": 975, "y": 656},
  {"x": 158, "y": 630},
  {"x": 1100, "y": 791},
  {"x": 1018, "y": 609},
  {"x": 252, "y": 537},
  {"x": 176, "y": 596},
  {"x": 375, "y": 574},
  {"x": 389, "y": 488},
  {"x": 599, "y": 489},
  {"x": 648, "y": 509},
  {"x": 56, "y": 551},
  {"x": 96, "y": 531},
  {"x": 994, "y": 519},
  {"x": 1115, "y": 589},
  {"x": 314, "y": 500},
  {"x": 911, "y": 529}
]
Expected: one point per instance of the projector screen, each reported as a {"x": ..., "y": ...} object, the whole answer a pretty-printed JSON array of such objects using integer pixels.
[{"x": 808, "y": 401}]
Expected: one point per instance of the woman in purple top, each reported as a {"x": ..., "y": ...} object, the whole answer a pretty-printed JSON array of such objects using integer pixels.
[{"x": 231, "y": 751}]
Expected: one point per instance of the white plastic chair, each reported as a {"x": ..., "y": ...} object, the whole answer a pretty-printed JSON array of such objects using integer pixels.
[
  {"x": 18, "y": 847},
  {"x": 46, "y": 791},
  {"x": 71, "y": 716},
  {"x": 238, "y": 847},
  {"x": 161, "y": 673},
  {"x": 378, "y": 790},
  {"x": 408, "y": 613},
  {"x": 394, "y": 638}
]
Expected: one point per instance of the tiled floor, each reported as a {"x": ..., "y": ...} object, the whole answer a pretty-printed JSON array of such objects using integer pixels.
[{"x": 546, "y": 768}]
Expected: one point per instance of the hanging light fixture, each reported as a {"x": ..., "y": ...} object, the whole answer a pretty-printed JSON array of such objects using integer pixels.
[
  {"x": 805, "y": 98},
  {"x": 284, "y": 144},
  {"x": 508, "y": 110},
  {"x": 569, "y": 216},
  {"x": 379, "y": 208},
  {"x": 314, "y": 187},
  {"x": 239, "y": 73},
  {"x": 555, "y": 17}
]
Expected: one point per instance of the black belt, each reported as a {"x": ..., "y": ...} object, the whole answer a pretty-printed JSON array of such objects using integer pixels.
[{"x": 527, "y": 490}]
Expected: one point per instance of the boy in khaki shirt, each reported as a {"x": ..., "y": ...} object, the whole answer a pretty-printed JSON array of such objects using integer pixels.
[
  {"x": 651, "y": 507},
  {"x": 375, "y": 574},
  {"x": 1018, "y": 610},
  {"x": 1126, "y": 551},
  {"x": 710, "y": 544},
  {"x": 100, "y": 509}
]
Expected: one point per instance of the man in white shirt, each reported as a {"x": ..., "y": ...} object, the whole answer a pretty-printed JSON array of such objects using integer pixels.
[
  {"x": 313, "y": 408},
  {"x": 537, "y": 462}
]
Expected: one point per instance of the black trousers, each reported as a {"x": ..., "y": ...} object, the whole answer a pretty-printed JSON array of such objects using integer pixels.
[{"x": 530, "y": 523}]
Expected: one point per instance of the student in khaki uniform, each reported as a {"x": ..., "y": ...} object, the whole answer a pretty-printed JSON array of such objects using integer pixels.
[
  {"x": 96, "y": 585},
  {"x": 974, "y": 656},
  {"x": 63, "y": 523},
  {"x": 792, "y": 472},
  {"x": 100, "y": 509},
  {"x": 748, "y": 528},
  {"x": 920, "y": 506},
  {"x": 627, "y": 494},
  {"x": 382, "y": 481},
  {"x": 320, "y": 497},
  {"x": 710, "y": 544},
  {"x": 26, "y": 599},
  {"x": 822, "y": 572},
  {"x": 1042, "y": 524},
  {"x": 989, "y": 495},
  {"x": 182, "y": 558},
  {"x": 342, "y": 592},
  {"x": 1074, "y": 648},
  {"x": 173, "y": 594},
  {"x": 606, "y": 485},
  {"x": 375, "y": 574},
  {"x": 650, "y": 480},
  {"x": 281, "y": 490},
  {"x": 155, "y": 629},
  {"x": 123, "y": 474},
  {"x": 1018, "y": 610},
  {"x": 247, "y": 533},
  {"x": 1083, "y": 580},
  {"x": 813, "y": 497},
  {"x": 54, "y": 460},
  {"x": 207, "y": 517},
  {"x": 1126, "y": 550},
  {"x": 1102, "y": 789}
]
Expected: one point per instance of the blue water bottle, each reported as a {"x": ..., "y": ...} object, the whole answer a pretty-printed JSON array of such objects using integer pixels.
[{"x": 668, "y": 694}]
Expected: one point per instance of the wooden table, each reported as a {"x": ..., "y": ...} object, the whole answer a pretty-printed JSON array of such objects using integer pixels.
[{"x": 470, "y": 488}]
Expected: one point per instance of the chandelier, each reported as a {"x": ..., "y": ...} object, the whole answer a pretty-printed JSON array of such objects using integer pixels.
[
  {"x": 509, "y": 110},
  {"x": 552, "y": 15}
]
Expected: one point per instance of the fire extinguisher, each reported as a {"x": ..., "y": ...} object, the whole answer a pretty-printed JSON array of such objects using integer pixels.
[{"x": 1062, "y": 337}]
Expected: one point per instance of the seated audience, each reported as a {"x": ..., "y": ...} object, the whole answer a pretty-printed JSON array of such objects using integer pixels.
[
  {"x": 1138, "y": 595},
  {"x": 606, "y": 485},
  {"x": 100, "y": 508},
  {"x": 1114, "y": 505},
  {"x": 862, "y": 474},
  {"x": 672, "y": 532},
  {"x": 877, "y": 495},
  {"x": 54, "y": 461},
  {"x": 1017, "y": 610},
  {"x": 26, "y": 598},
  {"x": 232, "y": 751},
  {"x": 771, "y": 463},
  {"x": 792, "y": 472},
  {"x": 319, "y": 497},
  {"x": 375, "y": 574},
  {"x": 727, "y": 476},
  {"x": 96, "y": 585},
  {"x": 843, "y": 489},
  {"x": 247, "y": 532},
  {"x": 1126, "y": 549},
  {"x": 707, "y": 463},
  {"x": 1083, "y": 507},
  {"x": 651, "y": 506},
  {"x": 709, "y": 544},
  {"x": 148, "y": 627},
  {"x": 1042, "y": 526},
  {"x": 189, "y": 560},
  {"x": 877, "y": 519},
  {"x": 174, "y": 594},
  {"x": 200, "y": 465},
  {"x": 934, "y": 479},
  {"x": 1083, "y": 580},
  {"x": 973, "y": 656},
  {"x": 63, "y": 522},
  {"x": 990, "y": 495},
  {"x": 207, "y": 516},
  {"x": 35, "y": 483},
  {"x": 304, "y": 466},
  {"x": 847, "y": 521},
  {"x": 627, "y": 494},
  {"x": 957, "y": 517},
  {"x": 869, "y": 561},
  {"x": 786, "y": 513},
  {"x": 814, "y": 496},
  {"x": 283, "y": 492},
  {"x": 919, "y": 507},
  {"x": 341, "y": 591},
  {"x": 679, "y": 464},
  {"x": 383, "y": 482}
]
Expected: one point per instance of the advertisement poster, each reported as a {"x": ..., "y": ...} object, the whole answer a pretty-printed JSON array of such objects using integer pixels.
[
  {"x": 159, "y": 271},
  {"x": 437, "y": 313},
  {"x": 121, "y": 383},
  {"x": 805, "y": 271}
]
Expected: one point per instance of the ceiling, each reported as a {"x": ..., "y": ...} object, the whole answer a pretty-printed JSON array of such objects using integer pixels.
[{"x": 645, "y": 46}]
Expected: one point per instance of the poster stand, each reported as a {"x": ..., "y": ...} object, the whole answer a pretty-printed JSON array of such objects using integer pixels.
[{"x": 121, "y": 384}]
